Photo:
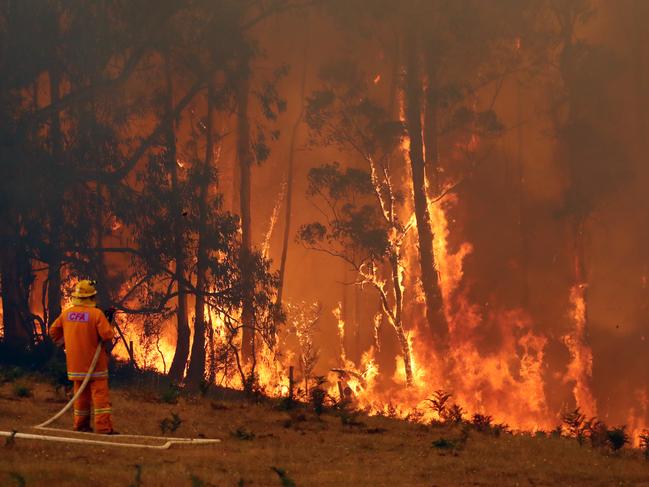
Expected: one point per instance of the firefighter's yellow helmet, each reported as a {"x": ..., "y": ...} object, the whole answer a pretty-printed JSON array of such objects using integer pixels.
[{"x": 85, "y": 289}]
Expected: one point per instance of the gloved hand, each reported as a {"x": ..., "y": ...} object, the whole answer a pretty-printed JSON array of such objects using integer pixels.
[{"x": 108, "y": 346}]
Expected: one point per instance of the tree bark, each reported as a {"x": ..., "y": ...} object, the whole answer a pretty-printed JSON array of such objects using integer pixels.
[
  {"x": 13, "y": 266},
  {"x": 56, "y": 212},
  {"x": 429, "y": 277},
  {"x": 179, "y": 362},
  {"x": 431, "y": 127},
  {"x": 244, "y": 157},
  {"x": 290, "y": 177},
  {"x": 398, "y": 318},
  {"x": 196, "y": 371}
]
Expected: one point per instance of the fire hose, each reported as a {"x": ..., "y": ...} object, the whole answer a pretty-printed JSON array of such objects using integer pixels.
[{"x": 169, "y": 441}]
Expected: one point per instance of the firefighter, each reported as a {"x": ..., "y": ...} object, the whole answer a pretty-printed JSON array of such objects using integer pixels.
[{"x": 80, "y": 328}]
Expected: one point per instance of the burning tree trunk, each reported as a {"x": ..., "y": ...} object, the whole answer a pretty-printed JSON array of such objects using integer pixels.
[
  {"x": 103, "y": 294},
  {"x": 179, "y": 362},
  {"x": 429, "y": 276},
  {"x": 196, "y": 371},
  {"x": 56, "y": 215},
  {"x": 245, "y": 259},
  {"x": 580, "y": 368}
]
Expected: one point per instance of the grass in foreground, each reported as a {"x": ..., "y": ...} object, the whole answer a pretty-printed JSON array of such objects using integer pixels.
[{"x": 264, "y": 446}]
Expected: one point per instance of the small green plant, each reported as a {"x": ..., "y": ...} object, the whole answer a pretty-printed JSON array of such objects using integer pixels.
[
  {"x": 349, "y": 418},
  {"x": 218, "y": 406},
  {"x": 22, "y": 390},
  {"x": 137, "y": 482},
  {"x": 170, "y": 424},
  {"x": 286, "y": 404},
  {"x": 243, "y": 434},
  {"x": 170, "y": 395},
  {"x": 444, "y": 444},
  {"x": 617, "y": 438},
  {"x": 283, "y": 477},
  {"x": 10, "y": 374},
  {"x": 294, "y": 418},
  {"x": 204, "y": 387},
  {"x": 196, "y": 481},
  {"x": 20, "y": 480}
]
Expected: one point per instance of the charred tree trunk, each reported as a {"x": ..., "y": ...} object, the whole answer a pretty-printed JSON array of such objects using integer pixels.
[
  {"x": 429, "y": 277},
  {"x": 244, "y": 157},
  {"x": 431, "y": 127},
  {"x": 523, "y": 226},
  {"x": 196, "y": 371},
  {"x": 14, "y": 271},
  {"x": 179, "y": 362},
  {"x": 290, "y": 177},
  {"x": 103, "y": 291},
  {"x": 56, "y": 215}
]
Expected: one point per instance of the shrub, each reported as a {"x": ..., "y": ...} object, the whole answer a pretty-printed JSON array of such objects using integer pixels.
[
  {"x": 481, "y": 422},
  {"x": 137, "y": 482},
  {"x": 617, "y": 438},
  {"x": 170, "y": 394},
  {"x": 444, "y": 444},
  {"x": 318, "y": 395},
  {"x": 391, "y": 411},
  {"x": 196, "y": 481},
  {"x": 438, "y": 402},
  {"x": 576, "y": 424},
  {"x": 243, "y": 434},
  {"x": 644, "y": 443},
  {"x": 10, "y": 374},
  {"x": 18, "y": 478},
  {"x": 283, "y": 477},
  {"x": 500, "y": 428},
  {"x": 350, "y": 418},
  {"x": 598, "y": 433},
  {"x": 415, "y": 416},
  {"x": 170, "y": 424},
  {"x": 454, "y": 414}
]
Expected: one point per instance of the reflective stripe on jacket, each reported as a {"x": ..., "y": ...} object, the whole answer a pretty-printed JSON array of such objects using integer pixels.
[{"x": 81, "y": 328}]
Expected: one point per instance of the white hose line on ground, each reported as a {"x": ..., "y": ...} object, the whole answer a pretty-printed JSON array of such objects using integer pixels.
[
  {"x": 62, "y": 439},
  {"x": 169, "y": 441}
]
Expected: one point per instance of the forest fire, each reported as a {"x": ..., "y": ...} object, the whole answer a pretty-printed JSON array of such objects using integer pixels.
[{"x": 436, "y": 216}]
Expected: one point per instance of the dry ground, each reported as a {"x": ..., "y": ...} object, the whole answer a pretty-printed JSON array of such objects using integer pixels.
[{"x": 312, "y": 451}]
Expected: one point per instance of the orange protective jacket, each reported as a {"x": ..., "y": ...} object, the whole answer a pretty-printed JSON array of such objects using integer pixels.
[{"x": 81, "y": 328}]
